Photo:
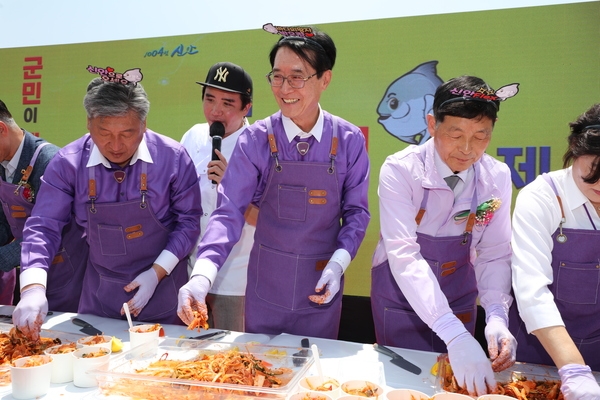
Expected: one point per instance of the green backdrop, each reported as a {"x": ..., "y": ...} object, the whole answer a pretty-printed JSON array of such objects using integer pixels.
[{"x": 552, "y": 51}]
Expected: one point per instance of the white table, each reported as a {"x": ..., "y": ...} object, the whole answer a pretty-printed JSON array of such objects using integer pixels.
[{"x": 341, "y": 360}]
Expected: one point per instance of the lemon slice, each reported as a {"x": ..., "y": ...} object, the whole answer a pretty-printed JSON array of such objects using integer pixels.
[
  {"x": 436, "y": 367},
  {"x": 116, "y": 345}
]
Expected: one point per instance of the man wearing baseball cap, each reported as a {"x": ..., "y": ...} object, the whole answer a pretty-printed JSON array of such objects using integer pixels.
[{"x": 226, "y": 99}]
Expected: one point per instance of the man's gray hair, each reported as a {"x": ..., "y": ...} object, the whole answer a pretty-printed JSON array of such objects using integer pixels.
[{"x": 109, "y": 99}]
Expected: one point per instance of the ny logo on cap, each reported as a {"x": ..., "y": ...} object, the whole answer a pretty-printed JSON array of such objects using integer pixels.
[{"x": 221, "y": 75}]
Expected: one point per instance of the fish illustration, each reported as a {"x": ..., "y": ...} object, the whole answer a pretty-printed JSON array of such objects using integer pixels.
[{"x": 407, "y": 101}]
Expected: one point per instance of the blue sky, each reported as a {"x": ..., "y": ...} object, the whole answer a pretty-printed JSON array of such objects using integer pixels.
[{"x": 44, "y": 22}]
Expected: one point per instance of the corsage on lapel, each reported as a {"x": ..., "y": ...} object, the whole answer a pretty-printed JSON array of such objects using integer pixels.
[{"x": 485, "y": 212}]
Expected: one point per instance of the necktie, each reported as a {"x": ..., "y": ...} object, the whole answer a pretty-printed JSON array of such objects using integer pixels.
[{"x": 452, "y": 180}]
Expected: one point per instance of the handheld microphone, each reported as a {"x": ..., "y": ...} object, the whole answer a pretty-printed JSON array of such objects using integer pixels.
[{"x": 217, "y": 131}]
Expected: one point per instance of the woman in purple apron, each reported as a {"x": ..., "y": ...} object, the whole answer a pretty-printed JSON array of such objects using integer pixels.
[
  {"x": 556, "y": 257},
  {"x": 65, "y": 276}
]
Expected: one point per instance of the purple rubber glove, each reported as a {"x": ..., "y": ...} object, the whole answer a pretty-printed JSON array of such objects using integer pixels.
[
  {"x": 502, "y": 345},
  {"x": 192, "y": 296},
  {"x": 578, "y": 383},
  {"x": 146, "y": 283},
  {"x": 330, "y": 282},
  {"x": 29, "y": 314},
  {"x": 472, "y": 369}
]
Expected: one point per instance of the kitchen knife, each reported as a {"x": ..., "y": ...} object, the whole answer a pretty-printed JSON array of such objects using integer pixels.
[
  {"x": 87, "y": 328},
  {"x": 213, "y": 335},
  {"x": 397, "y": 359},
  {"x": 299, "y": 358}
]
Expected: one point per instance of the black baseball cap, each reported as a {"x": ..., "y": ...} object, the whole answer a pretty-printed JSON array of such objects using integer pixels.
[{"x": 229, "y": 77}]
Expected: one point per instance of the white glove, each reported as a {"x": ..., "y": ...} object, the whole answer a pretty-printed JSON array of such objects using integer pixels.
[
  {"x": 502, "y": 345},
  {"x": 578, "y": 383},
  {"x": 29, "y": 314},
  {"x": 146, "y": 283},
  {"x": 472, "y": 369},
  {"x": 192, "y": 296},
  {"x": 330, "y": 278}
]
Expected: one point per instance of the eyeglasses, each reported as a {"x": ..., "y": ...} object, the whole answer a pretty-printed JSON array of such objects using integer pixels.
[{"x": 295, "y": 81}]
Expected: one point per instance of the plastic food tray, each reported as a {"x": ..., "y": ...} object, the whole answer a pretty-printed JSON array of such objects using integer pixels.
[
  {"x": 519, "y": 371},
  {"x": 121, "y": 374}
]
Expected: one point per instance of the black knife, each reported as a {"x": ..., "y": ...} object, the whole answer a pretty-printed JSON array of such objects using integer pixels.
[
  {"x": 213, "y": 335},
  {"x": 87, "y": 328},
  {"x": 397, "y": 359},
  {"x": 299, "y": 358}
]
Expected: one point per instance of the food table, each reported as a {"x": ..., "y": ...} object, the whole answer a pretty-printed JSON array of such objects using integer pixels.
[{"x": 340, "y": 359}]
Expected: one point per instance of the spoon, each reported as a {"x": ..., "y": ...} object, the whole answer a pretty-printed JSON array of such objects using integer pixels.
[
  {"x": 315, "y": 351},
  {"x": 128, "y": 314}
]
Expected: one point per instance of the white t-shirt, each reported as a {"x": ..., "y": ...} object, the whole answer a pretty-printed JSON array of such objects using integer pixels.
[{"x": 231, "y": 279}]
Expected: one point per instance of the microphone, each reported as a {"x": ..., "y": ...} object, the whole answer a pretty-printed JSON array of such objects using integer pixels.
[{"x": 216, "y": 130}]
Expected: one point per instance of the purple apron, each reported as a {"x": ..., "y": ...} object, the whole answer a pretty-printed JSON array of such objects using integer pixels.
[
  {"x": 576, "y": 280},
  {"x": 65, "y": 274},
  {"x": 125, "y": 239},
  {"x": 396, "y": 323},
  {"x": 296, "y": 234}
]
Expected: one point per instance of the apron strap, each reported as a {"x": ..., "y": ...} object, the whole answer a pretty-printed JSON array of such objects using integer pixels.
[
  {"x": 92, "y": 188},
  {"x": 561, "y": 237},
  {"x": 334, "y": 144},
  {"x": 273, "y": 144},
  {"x": 27, "y": 171}
]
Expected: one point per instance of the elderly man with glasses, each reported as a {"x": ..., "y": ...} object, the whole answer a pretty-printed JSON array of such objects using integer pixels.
[{"x": 307, "y": 170}]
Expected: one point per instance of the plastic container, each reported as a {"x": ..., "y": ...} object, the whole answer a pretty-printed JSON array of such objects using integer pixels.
[
  {"x": 544, "y": 375},
  {"x": 124, "y": 375}
]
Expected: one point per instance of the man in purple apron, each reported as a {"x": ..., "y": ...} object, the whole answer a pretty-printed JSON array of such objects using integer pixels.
[
  {"x": 136, "y": 194},
  {"x": 445, "y": 239},
  {"x": 555, "y": 262},
  {"x": 25, "y": 158},
  {"x": 307, "y": 170}
]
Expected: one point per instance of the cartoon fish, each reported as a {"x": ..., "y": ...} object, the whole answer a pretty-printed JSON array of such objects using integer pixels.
[
  {"x": 407, "y": 101},
  {"x": 507, "y": 91},
  {"x": 133, "y": 75}
]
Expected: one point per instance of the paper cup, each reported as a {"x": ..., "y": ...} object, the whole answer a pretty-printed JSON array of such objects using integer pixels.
[
  {"x": 96, "y": 341},
  {"x": 495, "y": 397},
  {"x": 31, "y": 382},
  {"x": 406, "y": 394},
  {"x": 82, "y": 365},
  {"x": 141, "y": 334},
  {"x": 327, "y": 385},
  {"x": 62, "y": 362},
  {"x": 451, "y": 396},
  {"x": 361, "y": 388},
  {"x": 309, "y": 395}
]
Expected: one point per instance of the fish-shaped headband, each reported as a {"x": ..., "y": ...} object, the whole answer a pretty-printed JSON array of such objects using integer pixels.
[
  {"x": 108, "y": 74},
  {"x": 483, "y": 94}
]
